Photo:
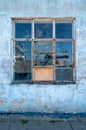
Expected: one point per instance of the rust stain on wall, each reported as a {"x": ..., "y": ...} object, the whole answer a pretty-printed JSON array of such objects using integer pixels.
[{"x": 1, "y": 101}]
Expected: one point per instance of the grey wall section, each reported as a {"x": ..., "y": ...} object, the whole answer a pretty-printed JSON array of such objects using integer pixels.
[{"x": 42, "y": 98}]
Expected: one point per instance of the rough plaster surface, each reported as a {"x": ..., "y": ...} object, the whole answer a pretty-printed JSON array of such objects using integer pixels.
[{"x": 42, "y": 98}]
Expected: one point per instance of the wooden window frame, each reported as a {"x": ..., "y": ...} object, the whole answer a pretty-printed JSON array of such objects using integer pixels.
[{"x": 53, "y": 40}]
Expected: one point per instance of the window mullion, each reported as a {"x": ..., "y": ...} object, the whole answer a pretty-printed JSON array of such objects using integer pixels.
[
  {"x": 53, "y": 29},
  {"x": 53, "y": 50},
  {"x": 32, "y": 50},
  {"x": 33, "y": 29},
  {"x": 53, "y": 60},
  {"x": 64, "y": 40}
]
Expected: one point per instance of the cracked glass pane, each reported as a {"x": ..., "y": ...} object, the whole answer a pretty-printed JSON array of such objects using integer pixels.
[{"x": 22, "y": 63}]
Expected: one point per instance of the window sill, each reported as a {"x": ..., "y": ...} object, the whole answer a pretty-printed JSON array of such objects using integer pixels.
[{"x": 42, "y": 83}]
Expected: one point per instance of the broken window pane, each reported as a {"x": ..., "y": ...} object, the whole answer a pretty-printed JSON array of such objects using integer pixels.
[
  {"x": 43, "y": 30},
  {"x": 43, "y": 47},
  {"x": 23, "y": 30},
  {"x": 63, "y": 54},
  {"x": 22, "y": 64},
  {"x": 42, "y": 59},
  {"x": 63, "y": 30},
  {"x": 43, "y": 73},
  {"x": 64, "y": 74}
]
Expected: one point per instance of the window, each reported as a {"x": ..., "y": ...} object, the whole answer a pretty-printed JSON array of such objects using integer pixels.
[{"x": 43, "y": 50}]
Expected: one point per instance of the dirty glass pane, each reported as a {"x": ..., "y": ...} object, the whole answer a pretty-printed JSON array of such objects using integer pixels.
[
  {"x": 40, "y": 47},
  {"x": 63, "y": 30},
  {"x": 64, "y": 74},
  {"x": 63, "y": 54},
  {"x": 42, "y": 59},
  {"x": 23, "y": 30},
  {"x": 22, "y": 63},
  {"x": 43, "y": 30}
]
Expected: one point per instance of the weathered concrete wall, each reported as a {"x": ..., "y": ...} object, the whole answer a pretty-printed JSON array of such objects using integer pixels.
[{"x": 42, "y": 98}]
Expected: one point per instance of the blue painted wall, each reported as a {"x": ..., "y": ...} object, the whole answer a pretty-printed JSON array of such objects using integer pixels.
[{"x": 42, "y": 98}]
